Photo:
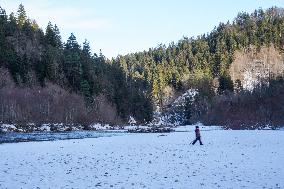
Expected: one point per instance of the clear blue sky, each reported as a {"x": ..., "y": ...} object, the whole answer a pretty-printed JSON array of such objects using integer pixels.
[{"x": 124, "y": 26}]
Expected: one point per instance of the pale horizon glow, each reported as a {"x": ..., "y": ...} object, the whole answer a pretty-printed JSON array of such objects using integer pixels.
[{"x": 126, "y": 26}]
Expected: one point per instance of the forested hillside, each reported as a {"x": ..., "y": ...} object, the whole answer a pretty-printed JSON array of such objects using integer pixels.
[
  {"x": 203, "y": 63},
  {"x": 46, "y": 80},
  {"x": 206, "y": 56},
  {"x": 44, "y": 70}
]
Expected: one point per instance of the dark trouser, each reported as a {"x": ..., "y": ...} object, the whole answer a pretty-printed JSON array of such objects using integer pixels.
[{"x": 197, "y": 138}]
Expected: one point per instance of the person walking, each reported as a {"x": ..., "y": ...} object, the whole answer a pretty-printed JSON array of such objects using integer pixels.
[{"x": 197, "y": 135}]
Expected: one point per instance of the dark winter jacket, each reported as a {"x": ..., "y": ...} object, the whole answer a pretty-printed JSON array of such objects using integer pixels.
[{"x": 197, "y": 133}]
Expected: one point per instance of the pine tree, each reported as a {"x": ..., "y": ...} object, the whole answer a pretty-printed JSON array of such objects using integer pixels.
[
  {"x": 72, "y": 43},
  {"x": 58, "y": 40},
  {"x": 12, "y": 27},
  {"x": 87, "y": 48},
  {"x": 3, "y": 16},
  {"x": 3, "y": 22},
  {"x": 50, "y": 35},
  {"x": 21, "y": 15},
  {"x": 225, "y": 84},
  {"x": 85, "y": 89},
  {"x": 73, "y": 65},
  {"x": 188, "y": 110},
  {"x": 34, "y": 25}
]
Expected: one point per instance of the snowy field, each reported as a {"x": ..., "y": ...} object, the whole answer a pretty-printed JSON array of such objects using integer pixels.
[{"x": 229, "y": 159}]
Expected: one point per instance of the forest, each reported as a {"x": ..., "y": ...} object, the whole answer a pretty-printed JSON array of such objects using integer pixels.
[{"x": 46, "y": 80}]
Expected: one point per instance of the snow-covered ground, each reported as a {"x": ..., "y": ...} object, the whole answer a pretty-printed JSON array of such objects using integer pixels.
[{"x": 229, "y": 159}]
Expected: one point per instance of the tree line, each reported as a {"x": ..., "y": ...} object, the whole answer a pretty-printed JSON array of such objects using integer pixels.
[{"x": 135, "y": 83}]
